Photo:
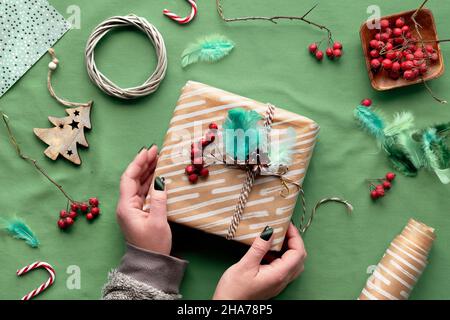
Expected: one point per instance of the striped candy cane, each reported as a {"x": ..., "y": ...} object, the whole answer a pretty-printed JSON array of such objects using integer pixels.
[
  {"x": 42, "y": 287},
  {"x": 182, "y": 20}
]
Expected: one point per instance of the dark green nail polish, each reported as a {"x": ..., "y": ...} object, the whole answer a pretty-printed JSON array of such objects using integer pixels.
[
  {"x": 140, "y": 150},
  {"x": 267, "y": 233},
  {"x": 151, "y": 146},
  {"x": 159, "y": 184}
]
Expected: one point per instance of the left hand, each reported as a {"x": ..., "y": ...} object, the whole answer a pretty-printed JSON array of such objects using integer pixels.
[{"x": 145, "y": 230}]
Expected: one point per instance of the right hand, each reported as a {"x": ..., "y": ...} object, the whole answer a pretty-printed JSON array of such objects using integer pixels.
[{"x": 249, "y": 280}]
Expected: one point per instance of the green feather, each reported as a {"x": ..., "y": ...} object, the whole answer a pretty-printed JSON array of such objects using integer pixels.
[
  {"x": 399, "y": 158},
  {"x": 370, "y": 121},
  {"x": 402, "y": 122},
  {"x": 435, "y": 149},
  {"x": 242, "y": 133},
  {"x": 19, "y": 230},
  {"x": 208, "y": 49},
  {"x": 411, "y": 147}
]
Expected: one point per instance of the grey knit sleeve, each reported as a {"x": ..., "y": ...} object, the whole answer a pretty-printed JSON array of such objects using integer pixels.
[{"x": 145, "y": 275}]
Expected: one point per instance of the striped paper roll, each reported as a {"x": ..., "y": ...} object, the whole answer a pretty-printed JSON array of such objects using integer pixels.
[
  {"x": 401, "y": 265},
  {"x": 209, "y": 205}
]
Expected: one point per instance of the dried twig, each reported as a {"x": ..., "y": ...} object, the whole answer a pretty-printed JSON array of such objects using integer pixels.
[
  {"x": 32, "y": 161},
  {"x": 274, "y": 19}
]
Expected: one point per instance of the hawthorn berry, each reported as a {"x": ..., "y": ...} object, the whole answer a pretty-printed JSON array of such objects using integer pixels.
[
  {"x": 62, "y": 224},
  {"x": 387, "y": 185},
  {"x": 213, "y": 126},
  {"x": 337, "y": 53},
  {"x": 190, "y": 169},
  {"x": 400, "y": 22},
  {"x": 73, "y": 215},
  {"x": 193, "y": 178},
  {"x": 329, "y": 53},
  {"x": 95, "y": 211},
  {"x": 319, "y": 55},
  {"x": 337, "y": 45},
  {"x": 93, "y": 202},
  {"x": 312, "y": 49},
  {"x": 74, "y": 207},
  {"x": 90, "y": 216},
  {"x": 69, "y": 221},
  {"x": 84, "y": 207},
  {"x": 390, "y": 176},
  {"x": 384, "y": 23},
  {"x": 374, "y": 195},
  {"x": 63, "y": 214},
  {"x": 366, "y": 102},
  {"x": 204, "y": 172}
]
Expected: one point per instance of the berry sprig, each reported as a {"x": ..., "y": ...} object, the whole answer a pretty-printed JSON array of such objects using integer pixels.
[
  {"x": 197, "y": 167},
  {"x": 366, "y": 102},
  {"x": 384, "y": 184},
  {"x": 67, "y": 219},
  {"x": 332, "y": 51}
]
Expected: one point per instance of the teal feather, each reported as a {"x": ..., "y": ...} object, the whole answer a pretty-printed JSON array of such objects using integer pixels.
[
  {"x": 208, "y": 49},
  {"x": 411, "y": 147},
  {"x": 242, "y": 133},
  {"x": 19, "y": 230},
  {"x": 402, "y": 122},
  {"x": 400, "y": 159},
  {"x": 435, "y": 149},
  {"x": 370, "y": 121}
]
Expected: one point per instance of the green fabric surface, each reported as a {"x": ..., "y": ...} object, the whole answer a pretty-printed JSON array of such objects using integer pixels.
[{"x": 270, "y": 63}]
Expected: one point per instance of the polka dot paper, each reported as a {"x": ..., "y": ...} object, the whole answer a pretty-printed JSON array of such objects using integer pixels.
[{"x": 28, "y": 28}]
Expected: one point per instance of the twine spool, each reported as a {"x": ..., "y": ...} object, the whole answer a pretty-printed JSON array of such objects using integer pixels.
[{"x": 109, "y": 87}]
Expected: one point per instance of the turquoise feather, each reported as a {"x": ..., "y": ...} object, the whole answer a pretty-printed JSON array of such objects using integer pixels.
[
  {"x": 370, "y": 121},
  {"x": 402, "y": 122},
  {"x": 208, "y": 49},
  {"x": 242, "y": 133},
  {"x": 19, "y": 230},
  {"x": 436, "y": 151}
]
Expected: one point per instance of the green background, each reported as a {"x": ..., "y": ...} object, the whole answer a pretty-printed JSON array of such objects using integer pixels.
[{"x": 270, "y": 63}]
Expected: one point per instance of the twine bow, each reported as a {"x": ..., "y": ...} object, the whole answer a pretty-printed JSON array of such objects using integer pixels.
[{"x": 253, "y": 171}]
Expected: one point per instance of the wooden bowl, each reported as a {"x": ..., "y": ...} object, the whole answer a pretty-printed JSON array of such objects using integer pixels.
[{"x": 380, "y": 80}]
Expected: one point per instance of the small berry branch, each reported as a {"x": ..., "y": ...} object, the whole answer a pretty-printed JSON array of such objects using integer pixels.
[
  {"x": 274, "y": 19},
  {"x": 13, "y": 140}
]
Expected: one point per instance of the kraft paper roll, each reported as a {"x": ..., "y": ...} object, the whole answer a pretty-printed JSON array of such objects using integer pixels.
[{"x": 402, "y": 264}]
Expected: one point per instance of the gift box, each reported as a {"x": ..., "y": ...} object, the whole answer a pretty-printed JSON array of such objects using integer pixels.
[
  {"x": 210, "y": 204},
  {"x": 402, "y": 264}
]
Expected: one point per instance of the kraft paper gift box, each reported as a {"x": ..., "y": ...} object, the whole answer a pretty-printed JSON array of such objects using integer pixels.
[{"x": 209, "y": 204}]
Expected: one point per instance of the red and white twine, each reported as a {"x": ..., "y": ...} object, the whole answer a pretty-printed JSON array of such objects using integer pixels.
[
  {"x": 42, "y": 287},
  {"x": 183, "y": 20}
]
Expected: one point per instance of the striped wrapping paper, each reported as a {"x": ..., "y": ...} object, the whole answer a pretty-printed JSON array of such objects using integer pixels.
[
  {"x": 209, "y": 204},
  {"x": 402, "y": 264}
]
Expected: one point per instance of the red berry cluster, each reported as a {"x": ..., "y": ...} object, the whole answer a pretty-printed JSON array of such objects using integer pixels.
[
  {"x": 395, "y": 50},
  {"x": 379, "y": 190},
  {"x": 197, "y": 166},
  {"x": 332, "y": 52},
  {"x": 67, "y": 219}
]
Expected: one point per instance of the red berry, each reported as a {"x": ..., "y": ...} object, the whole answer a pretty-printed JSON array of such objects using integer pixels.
[
  {"x": 387, "y": 185},
  {"x": 90, "y": 216},
  {"x": 374, "y": 195},
  {"x": 74, "y": 207},
  {"x": 390, "y": 176},
  {"x": 73, "y": 215},
  {"x": 407, "y": 65},
  {"x": 95, "y": 211},
  {"x": 190, "y": 169},
  {"x": 380, "y": 192},
  {"x": 398, "y": 40},
  {"x": 204, "y": 172},
  {"x": 405, "y": 29},
  {"x": 400, "y": 22},
  {"x": 193, "y": 178},
  {"x": 62, "y": 224},
  {"x": 429, "y": 48},
  {"x": 384, "y": 23},
  {"x": 337, "y": 45},
  {"x": 93, "y": 202},
  {"x": 409, "y": 75},
  {"x": 388, "y": 31},
  {"x": 312, "y": 49},
  {"x": 84, "y": 207},
  {"x": 69, "y": 221},
  {"x": 394, "y": 75},
  {"x": 397, "y": 32},
  {"x": 319, "y": 55},
  {"x": 329, "y": 52},
  {"x": 377, "y": 37},
  {"x": 63, "y": 214},
  {"x": 373, "y": 44},
  {"x": 213, "y": 126},
  {"x": 375, "y": 64},
  {"x": 366, "y": 102},
  {"x": 396, "y": 66},
  {"x": 387, "y": 64},
  {"x": 384, "y": 37},
  {"x": 434, "y": 56},
  {"x": 379, "y": 187},
  {"x": 337, "y": 53},
  {"x": 389, "y": 46},
  {"x": 374, "y": 53}
]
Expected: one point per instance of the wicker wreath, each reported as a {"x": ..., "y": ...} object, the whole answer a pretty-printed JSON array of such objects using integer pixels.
[{"x": 109, "y": 87}]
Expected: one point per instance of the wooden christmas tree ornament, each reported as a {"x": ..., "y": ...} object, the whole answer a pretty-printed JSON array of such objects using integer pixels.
[{"x": 67, "y": 132}]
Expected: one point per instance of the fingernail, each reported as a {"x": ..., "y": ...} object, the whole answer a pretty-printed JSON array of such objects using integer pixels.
[
  {"x": 151, "y": 146},
  {"x": 159, "y": 184},
  {"x": 140, "y": 150},
  {"x": 267, "y": 233}
]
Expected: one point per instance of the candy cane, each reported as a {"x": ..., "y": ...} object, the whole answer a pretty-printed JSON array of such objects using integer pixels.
[
  {"x": 42, "y": 287},
  {"x": 182, "y": 20}
]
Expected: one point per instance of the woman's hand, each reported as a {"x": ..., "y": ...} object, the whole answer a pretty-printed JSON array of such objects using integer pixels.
[
  {"x": 249, "y": 280},
  {"x": 146, "y": 230}
]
